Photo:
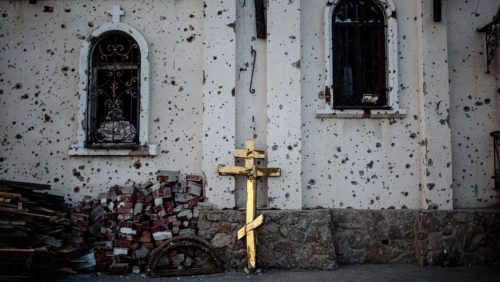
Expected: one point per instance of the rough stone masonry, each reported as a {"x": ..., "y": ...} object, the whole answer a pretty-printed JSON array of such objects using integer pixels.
[{"x": 325, "y": 238}]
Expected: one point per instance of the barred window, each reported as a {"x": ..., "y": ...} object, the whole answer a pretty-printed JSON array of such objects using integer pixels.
[
  {"x": 113, "y": 101},
  {"x": 359, "y": 56}
]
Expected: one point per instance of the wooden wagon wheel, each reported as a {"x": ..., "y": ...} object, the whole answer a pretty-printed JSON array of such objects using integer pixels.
[{"x": 184, "y": 241}]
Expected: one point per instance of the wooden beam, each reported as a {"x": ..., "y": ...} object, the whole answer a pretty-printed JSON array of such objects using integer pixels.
[{"x": 25, "y": 185}]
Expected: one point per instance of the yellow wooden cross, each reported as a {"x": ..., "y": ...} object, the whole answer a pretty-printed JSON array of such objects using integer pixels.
[{"x": 252, "y": 173}]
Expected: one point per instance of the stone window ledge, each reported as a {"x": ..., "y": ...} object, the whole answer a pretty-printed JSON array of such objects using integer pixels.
[
  {"x": 143, "y": 150},
  {"x": 329, "y": 113}
]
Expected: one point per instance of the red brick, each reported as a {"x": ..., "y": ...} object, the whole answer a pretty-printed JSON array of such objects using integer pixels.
[
  {"x": 145, "y": 225},
  {"x": 171, "y": 219},
  {"x": 146, "y": 185},
  {"x": 118, "y": 269},
  {"x": 126, "y": 237},
  {"x": 124, "y": 210},
  {"x": 123, "y": 243},
  {"x": 125, "y": 205},
  {"x": 134, "y": 246},
  {"x": 145, "y": 239},
  {"x": 195, "y": 178},
  {"x": 127, "y": 198},
  {"x": 126, "y": 224},
  {"x": 149, "y": 245}
]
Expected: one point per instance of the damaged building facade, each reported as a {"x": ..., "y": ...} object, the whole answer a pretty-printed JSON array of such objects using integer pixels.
[{"x": 363, "y": 104}]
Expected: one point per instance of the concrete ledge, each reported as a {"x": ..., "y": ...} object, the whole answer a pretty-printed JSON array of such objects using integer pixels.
[
  {"x": 328, "y": 113},
  {"x": 322, "y": 239}
]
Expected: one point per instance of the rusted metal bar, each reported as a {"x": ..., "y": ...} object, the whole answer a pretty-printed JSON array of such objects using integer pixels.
[
  {"x": 496, "y": 158},
  {"x": 260, "y": 19},
  {"x": 254, "y": 55}
]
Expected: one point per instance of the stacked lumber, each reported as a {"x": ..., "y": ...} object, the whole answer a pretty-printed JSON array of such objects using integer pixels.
[
  {"x": 125, "y": 224},
  {"x": 32, "y": 233}
]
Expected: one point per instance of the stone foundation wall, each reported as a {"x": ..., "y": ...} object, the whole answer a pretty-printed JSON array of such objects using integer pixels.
[
  {"x": 322, "y": 239},
  {"x": 288, "y": 240}
]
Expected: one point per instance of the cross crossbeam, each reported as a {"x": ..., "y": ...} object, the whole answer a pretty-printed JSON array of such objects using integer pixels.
[{"x": 252, "y": 172}]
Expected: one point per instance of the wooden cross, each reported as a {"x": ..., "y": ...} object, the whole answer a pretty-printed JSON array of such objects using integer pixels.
[
  {"x": 251, "y": 172},
  {"x": 117, "y": 12}
]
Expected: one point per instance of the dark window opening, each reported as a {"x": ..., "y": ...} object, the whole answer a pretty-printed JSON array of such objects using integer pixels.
[
  {"x": 359, "y": 60},
  {"x": 113, "y": 92}
]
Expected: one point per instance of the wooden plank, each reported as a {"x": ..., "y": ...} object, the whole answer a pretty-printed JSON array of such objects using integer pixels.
[
  {"x": 271, "y": 172},
  {"x": 8, "y": 210},
  {"x": 256, "y": 154},
  {"x": 234, "y": 170},
  {"x": 10, "y": 195},
  {"x": 17, "y": 250},
  {"x": 25, "y": 185},
  {"x": 251, "y": 226}
]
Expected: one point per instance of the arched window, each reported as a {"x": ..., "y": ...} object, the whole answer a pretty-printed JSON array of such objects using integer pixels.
[
  {"x": 113, "y": 99},
  {"x": 359, "y": 55},
  {"x": 113, "y": 104}
]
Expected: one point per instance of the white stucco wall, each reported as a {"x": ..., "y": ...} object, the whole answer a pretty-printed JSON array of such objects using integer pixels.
[
  {"x": 359, "y": 163},
  {"x": 39, "y": 52},
  {"x": 474, "y": 111},
  {"x": 330, "y": 162}
]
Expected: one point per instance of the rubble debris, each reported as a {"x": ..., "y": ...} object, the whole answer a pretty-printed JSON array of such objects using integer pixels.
[{"x": 125, "y": 225}]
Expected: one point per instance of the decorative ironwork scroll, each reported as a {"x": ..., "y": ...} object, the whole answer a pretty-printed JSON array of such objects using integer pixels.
[
  {"x": 496, "y": 157},
  {"x": 254, "y": 55},
  {"x": 113, "y": 92},
  {"x": 252, "y": 172},
  {"x": 492, "y": 40}
]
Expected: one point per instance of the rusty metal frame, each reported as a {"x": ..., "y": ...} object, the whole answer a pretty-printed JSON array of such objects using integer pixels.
[
  {"x": 260, "y": 19},
  {"x": 496, "y": 158},
  {"x": 184, "y": 241}
]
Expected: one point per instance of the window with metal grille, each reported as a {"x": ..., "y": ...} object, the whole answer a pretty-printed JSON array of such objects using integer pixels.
[
  {"x": 359, "y": 56},
  {"x": 113, "y": 92}
]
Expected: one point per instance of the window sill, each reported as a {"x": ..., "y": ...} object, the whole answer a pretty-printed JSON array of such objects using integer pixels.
[
  {"x": 352, "y": 113},
  {"x": 143, "y": 150}
]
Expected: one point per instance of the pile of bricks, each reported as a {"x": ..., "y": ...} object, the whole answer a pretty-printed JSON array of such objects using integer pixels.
[{"x": 127, "y": 223}]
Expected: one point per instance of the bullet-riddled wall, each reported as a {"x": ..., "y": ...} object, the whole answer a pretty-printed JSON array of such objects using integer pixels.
[
  {"x": 439, "y": 154},
  {"x": 39, "y": 78}
]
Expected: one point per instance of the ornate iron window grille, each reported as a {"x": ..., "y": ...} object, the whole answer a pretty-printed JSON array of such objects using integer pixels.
[
  {"x": 492, "y": 31},
  {"x": 113, "y": 92},
  {"x": 359, "y": 56},
  {"x": 496, "y": 157}
]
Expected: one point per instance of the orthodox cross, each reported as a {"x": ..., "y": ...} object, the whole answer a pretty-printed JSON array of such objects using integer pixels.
[
  {"x": 251, "y": 172},
  {"x": 117, "y": 12}
]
